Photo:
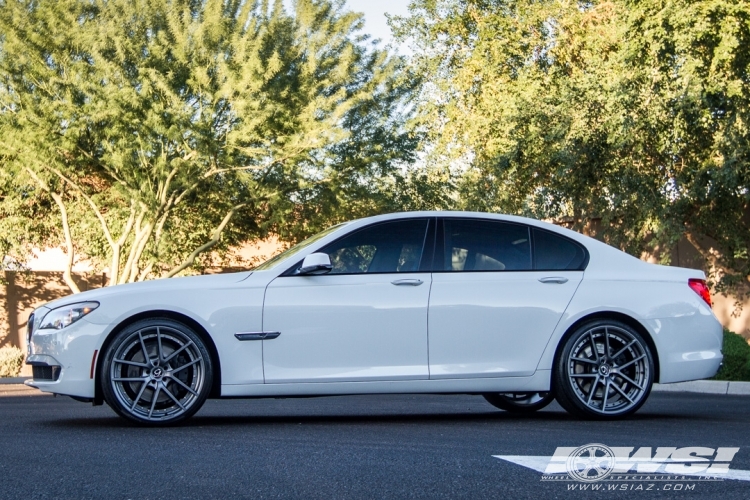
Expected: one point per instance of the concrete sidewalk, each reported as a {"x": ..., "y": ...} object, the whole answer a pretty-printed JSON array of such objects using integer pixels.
[
  {"x": 13, "y": 380},
  {"x": 707, "y": 387},
  {"x": 15, "y": 387}
]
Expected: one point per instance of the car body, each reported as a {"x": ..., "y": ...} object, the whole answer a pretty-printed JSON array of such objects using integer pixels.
[{"x": 490, "y": 318}]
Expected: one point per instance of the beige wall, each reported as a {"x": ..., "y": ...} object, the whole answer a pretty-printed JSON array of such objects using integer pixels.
[{"x": 22, "y": 292}]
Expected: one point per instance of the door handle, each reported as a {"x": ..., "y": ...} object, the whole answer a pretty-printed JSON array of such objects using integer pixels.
[
  {"x": 407, "y": 282},
  {"x": 559, "y": 280}
]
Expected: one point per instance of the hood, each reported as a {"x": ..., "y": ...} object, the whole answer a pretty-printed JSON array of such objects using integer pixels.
[{"x": 205, "y": 281}]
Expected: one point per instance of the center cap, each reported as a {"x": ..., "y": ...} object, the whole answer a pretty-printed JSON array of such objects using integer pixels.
[
  {"x": 604, "y": 369},
  {"x": 157, "y": 372}
]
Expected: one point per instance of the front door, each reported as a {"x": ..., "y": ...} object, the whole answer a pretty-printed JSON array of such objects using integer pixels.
[
  {"x": 494, "y": 305},
  {"x": 365, "y": 320}
]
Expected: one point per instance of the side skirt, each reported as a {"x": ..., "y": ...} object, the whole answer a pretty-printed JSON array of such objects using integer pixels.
[{"x": 538, "y": 382}]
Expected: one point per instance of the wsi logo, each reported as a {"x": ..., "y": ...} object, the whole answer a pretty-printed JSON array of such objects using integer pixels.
[{"x": 598, "y": 462}]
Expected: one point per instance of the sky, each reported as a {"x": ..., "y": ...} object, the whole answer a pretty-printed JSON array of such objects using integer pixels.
[{"x": 374, "y": 11}]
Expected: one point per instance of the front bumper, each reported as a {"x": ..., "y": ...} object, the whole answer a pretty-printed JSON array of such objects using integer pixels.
[{"x": 64, "y": 361}]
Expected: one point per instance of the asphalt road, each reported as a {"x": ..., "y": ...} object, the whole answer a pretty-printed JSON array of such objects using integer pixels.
[{"x": 342, "y": 447}]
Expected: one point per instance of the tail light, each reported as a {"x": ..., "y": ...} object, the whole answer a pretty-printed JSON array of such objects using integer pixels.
[{"x": 700, "y": 287}]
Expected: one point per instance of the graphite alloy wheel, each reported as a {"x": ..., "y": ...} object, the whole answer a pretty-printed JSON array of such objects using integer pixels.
[
  {"x": 156, "y": 372},
  {"x": 520, "y": 402},
  {"x": 605, "y": 370}
]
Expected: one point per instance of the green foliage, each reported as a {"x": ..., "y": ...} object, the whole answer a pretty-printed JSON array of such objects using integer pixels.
[
  {"x": 736, "y": 358},
  {"x": 166, "y": 129},
  {"x": 632, "y": 113},
  {"x": 11, "y": 361}
]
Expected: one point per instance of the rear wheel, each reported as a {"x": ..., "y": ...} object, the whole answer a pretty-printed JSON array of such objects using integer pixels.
[
  {"x": 157, "y": 372},
  {"x": 605, "y": 370},
  {"x": 520, "y": 402}
]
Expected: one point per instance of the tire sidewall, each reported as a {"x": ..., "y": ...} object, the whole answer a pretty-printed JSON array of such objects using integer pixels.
[{"x": 108, "y": 390}]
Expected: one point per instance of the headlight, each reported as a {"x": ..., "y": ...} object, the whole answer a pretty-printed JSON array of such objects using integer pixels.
[{"x": 59, "y": 318}]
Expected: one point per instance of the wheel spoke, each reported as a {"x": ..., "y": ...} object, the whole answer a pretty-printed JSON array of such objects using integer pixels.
[
  {"x": 132, "y": 363},
  {"x": 631, "y": 362},
  {"x": 620, "y": 374},
  {"x": 624, "y": 349},
  {"x": 178, "y": 351},
  {"x": 143, "y": 346},
  {"x": 173, "y": 398},
  {"x": 584, "y": 360},
  {"x": 140, "y": 379},
  {"x": 606, "y": 393},
  {"x": 592, "y": 390},
  {"x": 160, "y": 351},
  {"x": 186, "y": 365},
  {"x": 617, "y": 388},
  {"x": 138, "y": 397},
  {"x": 606, "y": 342},
  {"x": 153, "y": 401},
  {"x": 584, "y": 375},
  {"x": 189, "y": 389},
  {"x": 593, "y": 347}
]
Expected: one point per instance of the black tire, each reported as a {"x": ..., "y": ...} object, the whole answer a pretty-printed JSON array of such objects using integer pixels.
[
  {"x": 156, "y": 372},
  {"x": 605, "y": 370},
  {"x": 522, "y": 403}
]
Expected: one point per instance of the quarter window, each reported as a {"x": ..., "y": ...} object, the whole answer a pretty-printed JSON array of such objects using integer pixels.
[
  {"x": 556, "y": 253},
  {"x": 389, "y": 247},
  {"x": 476, "y": 245}
]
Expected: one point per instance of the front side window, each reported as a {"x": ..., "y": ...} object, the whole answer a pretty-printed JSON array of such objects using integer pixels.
[
  {"x": 297, "y": 248},
  {"x": 388, "y": 247},
  {"x": 478, "y": 245}
]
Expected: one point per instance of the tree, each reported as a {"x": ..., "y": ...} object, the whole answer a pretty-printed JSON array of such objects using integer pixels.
[
  {"x": 162, "y": 130},
  {"x": 632, "y": 113}
]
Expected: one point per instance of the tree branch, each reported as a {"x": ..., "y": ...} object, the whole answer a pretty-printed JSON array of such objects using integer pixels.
[
  {"x": 214, "y": 240},
  {"x": 67, "y": 274}
]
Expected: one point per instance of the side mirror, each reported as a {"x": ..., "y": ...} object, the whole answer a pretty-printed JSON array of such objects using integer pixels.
[{"x": 316, "y": 263}]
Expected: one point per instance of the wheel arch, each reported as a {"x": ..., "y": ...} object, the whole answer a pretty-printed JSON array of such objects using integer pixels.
[
  {"x": 624, "y": 318},
  {"x": 161, "y": 313}
]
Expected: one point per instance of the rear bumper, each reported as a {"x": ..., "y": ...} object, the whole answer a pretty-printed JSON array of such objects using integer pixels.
[{"x": 689, "y": 346}]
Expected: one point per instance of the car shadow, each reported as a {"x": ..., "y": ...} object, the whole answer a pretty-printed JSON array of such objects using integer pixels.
[{"x": 542, "y": 417}]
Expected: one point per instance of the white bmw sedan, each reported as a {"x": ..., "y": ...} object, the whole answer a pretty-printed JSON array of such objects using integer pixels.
[{"x": 514, "y": 309}]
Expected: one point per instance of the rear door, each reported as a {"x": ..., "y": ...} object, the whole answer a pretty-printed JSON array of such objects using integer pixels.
[{"x": 498, "y": 291}]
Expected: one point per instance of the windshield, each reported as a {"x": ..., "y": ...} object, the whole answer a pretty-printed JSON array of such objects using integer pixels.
[{"x": 297, "y": 248}]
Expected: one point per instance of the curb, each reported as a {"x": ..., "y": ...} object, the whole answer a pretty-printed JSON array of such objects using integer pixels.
[
  {"x": 13, "y": 380},
  {"x": 707, "y": 387}
]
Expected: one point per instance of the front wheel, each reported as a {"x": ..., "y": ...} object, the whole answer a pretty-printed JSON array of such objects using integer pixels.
[
  {"x": 520, "y": 402},
  {"x": 156, "y": 372},
  {"x": 605, "y": 370}
]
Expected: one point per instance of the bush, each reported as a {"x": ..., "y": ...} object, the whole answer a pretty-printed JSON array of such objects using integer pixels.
[
  {"x": 736, "y": 358},
  {"x": 11, "y": 360}
]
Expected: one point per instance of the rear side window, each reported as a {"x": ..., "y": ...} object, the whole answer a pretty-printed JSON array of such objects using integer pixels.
[
  {"x": 478, "y": 245},
  {"x": 557, "y": 253}
]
